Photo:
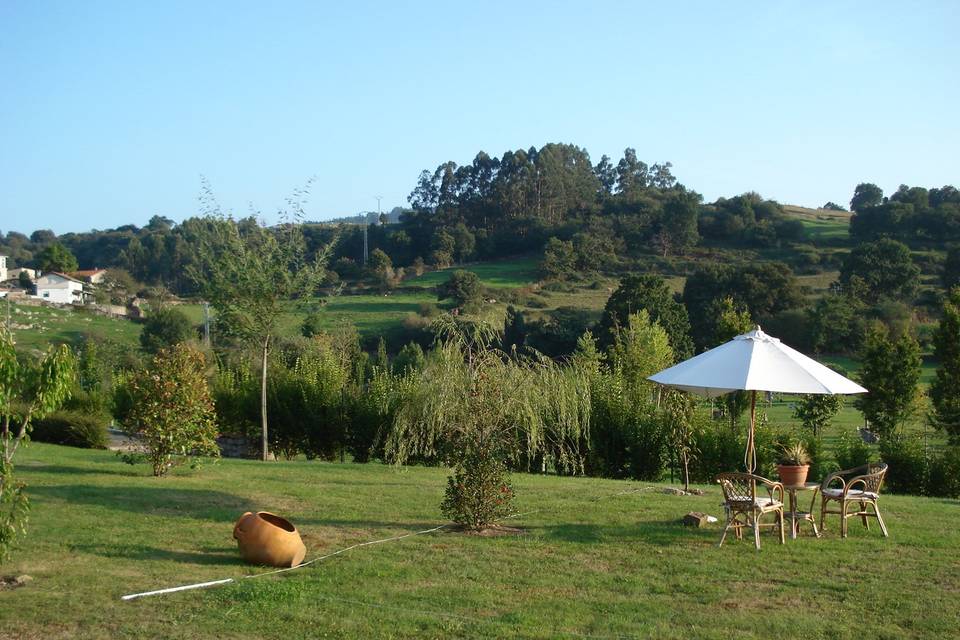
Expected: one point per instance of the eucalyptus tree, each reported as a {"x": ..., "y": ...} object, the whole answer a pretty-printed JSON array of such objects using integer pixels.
[{"x": 250, "y": 274}]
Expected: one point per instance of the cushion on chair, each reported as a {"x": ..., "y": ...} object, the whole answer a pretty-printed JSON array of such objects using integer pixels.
[
  {"x": 760, "y": 502},
  {"x": 853, "y": 494}
]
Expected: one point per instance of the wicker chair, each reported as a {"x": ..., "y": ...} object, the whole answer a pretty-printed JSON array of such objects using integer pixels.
[
  {"x": 744, "y": 507},
  {"x": 859, "y": 486}
]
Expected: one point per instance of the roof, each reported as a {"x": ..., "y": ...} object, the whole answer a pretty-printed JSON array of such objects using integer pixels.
[
  {"x": 62, "y": 275},
  {"x": 86, "y": 273}
]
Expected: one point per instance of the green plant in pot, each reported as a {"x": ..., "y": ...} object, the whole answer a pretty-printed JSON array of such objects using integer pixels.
[{"x": 794, "y": 463}]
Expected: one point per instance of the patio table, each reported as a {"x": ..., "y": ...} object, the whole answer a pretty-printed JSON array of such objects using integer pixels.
[{"x": 796, "y": 517}]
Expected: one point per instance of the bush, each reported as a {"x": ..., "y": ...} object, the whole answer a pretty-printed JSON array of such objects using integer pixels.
[
  {"x": 718, "y": 449},
  {"x": 171, "y": 408},
  {"x": 945, "y": 474},
  {"x": 908, "y": 462},
  {"x": 851, "y": 451},
  {"x": 165, "y": 327},
  {"x": 478, "y": 492},
  {"x": 72, "y": 428}
]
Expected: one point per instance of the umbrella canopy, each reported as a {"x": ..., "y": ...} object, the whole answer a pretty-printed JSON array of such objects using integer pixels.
[{"x": 754, "y": 362}]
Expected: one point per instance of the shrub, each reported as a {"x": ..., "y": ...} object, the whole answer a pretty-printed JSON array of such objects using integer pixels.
[
  {"x": 478, "y": 492},
  {"x": 851, "y": 451},
  {"x": 945, "y": 473},
  {"x": 171, "y": 410},
  {"x": 72, "y": 428},
  {"x": 165, "y": 327},
  {"x": 909, "y": 464},
  {"x": 718, "y": 449}
]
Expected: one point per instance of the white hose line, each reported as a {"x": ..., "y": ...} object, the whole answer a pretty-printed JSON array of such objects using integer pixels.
[
  {"x": 214, "y": 583},
  {"x": 203, "y": 585}
]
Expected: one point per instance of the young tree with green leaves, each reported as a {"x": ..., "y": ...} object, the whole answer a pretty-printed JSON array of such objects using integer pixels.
[
  {"x": 648, "y": 293},
  {"x": 815, "y": 411},
  {"x": 251, "y": 275},
  {"x": 463, "y": 287},
  {"x": 945, "y": 389},
  {"x": 890, "y": 372},
  {"x": 28, "y": 391},
  {"x": 171, "y": 408},
  {"x": 559, "y": 259}
]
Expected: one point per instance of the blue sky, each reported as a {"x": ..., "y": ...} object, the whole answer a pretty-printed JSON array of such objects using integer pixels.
[{"x": 111, "y": 112}]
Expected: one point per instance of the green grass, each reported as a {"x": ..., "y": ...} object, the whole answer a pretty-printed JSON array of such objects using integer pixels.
[
  {"x": 517, "y": 272},
  {"x": 592, "y": 562},
  {"x": 38, "y": 327}
]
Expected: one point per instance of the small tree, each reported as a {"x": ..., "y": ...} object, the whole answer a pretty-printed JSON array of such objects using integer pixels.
[
  {"x": 945, "y": 390},
  {"x": 559, "y": 259},
  {"x": 890, "y": 372},
  {"x": 24, "y": 280},
  {"x": 463, "y": 287},
  {"x": 172, "y": 410},
  {"x": 678, "y": 413},
  {"x": 816, "y": 411},
  {"x": 250, "y": 274},
  {"x": 165, "y": 327},
  {"x": 28, "y": 391}
]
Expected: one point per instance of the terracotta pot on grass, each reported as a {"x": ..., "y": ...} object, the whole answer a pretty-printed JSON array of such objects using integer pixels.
[
  {"x": 793, "y": 475},
  {"x": 266, "y": 538}
]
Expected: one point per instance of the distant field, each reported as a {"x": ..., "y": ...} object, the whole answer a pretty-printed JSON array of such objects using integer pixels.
[
  {"x": 500, "y": 273},
  {"x": 821, "y": 224}
]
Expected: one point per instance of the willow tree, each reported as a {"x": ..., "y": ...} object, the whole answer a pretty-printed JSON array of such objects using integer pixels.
[
  {"x": 250, "y": 274},
  {"x": 483, "y": 412},
  {"x": 28, "y": 390}
]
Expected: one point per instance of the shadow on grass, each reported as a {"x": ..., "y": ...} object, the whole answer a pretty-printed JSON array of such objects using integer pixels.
[
  {"x": 59, "y": 469},
  {"x": 206, "y": 556},
  {"x": 200, "y": 504},
  {"x": 656, "y": 532}
]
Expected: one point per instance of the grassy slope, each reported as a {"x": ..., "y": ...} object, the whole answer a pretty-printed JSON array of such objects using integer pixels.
[
  {"x": 38, "y": 327},
  {"x": 592, "y": 563}
]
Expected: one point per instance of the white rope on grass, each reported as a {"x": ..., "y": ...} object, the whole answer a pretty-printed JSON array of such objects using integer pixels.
[{"x": 216, "y": 583}]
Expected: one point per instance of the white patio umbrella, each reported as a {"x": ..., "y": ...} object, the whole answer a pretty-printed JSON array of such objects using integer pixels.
[{"x": 754, "y": 362}]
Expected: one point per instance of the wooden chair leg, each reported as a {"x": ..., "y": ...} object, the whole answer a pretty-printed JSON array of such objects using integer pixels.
[
  {"x": 883, "y": 527},
  {"x": 843, "y": 518},
  {"x": 863, "y": 510},
  {"x": 782, "y": 539},
  {"x": 756, "y": 531},
  {"x": 725, "y": 529},
  {"x": 823, "y": 514}
]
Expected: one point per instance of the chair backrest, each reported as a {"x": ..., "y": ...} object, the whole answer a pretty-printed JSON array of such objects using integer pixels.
[
  {"x": 738, "y": 487},
  {"x": 873, "y": 477}
]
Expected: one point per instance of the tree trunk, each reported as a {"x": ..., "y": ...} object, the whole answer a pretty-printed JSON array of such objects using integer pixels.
[{"x": 264, "y": 445}]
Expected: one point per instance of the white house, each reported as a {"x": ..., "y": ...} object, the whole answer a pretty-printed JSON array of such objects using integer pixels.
[
  {"x": 60, "y": 288},
  {"x": 13, "y": 274},
  {"x": 3, "y": 268}
]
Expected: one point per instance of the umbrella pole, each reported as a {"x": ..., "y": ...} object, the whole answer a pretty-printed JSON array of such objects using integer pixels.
[{"x": 750, "y": 461}]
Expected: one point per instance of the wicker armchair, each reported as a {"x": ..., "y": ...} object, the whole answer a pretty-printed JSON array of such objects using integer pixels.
[
  {"x": 744, "y": 507},
  {"x": 859, "y": 486}
]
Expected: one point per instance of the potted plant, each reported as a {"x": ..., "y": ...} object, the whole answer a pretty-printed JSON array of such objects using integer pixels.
[{"x": 793, "y": 465}]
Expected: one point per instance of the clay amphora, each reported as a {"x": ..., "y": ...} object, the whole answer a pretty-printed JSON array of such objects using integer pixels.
[{"x": 265, "y": 538}]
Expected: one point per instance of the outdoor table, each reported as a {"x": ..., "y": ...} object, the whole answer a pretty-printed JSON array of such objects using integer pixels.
[{"x": 796, "y": 517}]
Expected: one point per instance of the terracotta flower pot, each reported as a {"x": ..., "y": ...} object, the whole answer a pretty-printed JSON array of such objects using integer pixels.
[
  {"x": 793, "y": 475},
  {"x": 265, "y": 538}
]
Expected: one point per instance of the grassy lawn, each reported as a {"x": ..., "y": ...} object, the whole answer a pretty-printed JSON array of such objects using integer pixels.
[{"x": 591, "y": 563}]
